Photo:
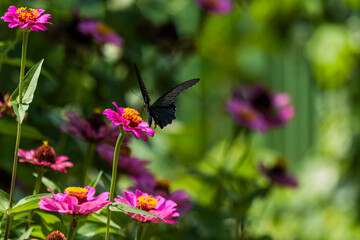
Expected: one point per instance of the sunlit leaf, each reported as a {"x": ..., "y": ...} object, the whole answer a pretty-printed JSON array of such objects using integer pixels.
[
  {"x": 10, "y": 127},
  {"x": 28, "y": 203},
  {"x": 4, "y": 201},
  {"x": 29, "y": 87},
  {"x": 122, "y": 207}
]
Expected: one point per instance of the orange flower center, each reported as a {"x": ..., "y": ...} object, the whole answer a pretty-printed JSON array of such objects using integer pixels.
[
  {"x": 78, "y": 192},
  {"x": 146, "y": 203},
  {"x": 56, "y": 235},
  {"x": 133, "y": 116},
  {"x": 27, "y": 15},
  {"x": 102, "y": 28},
  {"x": 247, "y": 114}
]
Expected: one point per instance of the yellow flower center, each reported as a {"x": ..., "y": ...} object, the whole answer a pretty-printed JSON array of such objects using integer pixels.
[
  {"x": 146, "y": 203},
  {"x": 27, "y": 15},
  {"x": 78, "y": 192},
  {"x": 133, "y": 116},
  {"x": 102, "y": 28}
]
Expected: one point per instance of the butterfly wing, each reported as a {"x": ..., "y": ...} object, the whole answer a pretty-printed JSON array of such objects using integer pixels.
[
  {"x": 145, "y": 95},
  {"x": 163, "y": 110}
]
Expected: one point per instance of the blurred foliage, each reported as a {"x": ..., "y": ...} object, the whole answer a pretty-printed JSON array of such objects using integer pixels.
[{"x": 308, "y": 48}]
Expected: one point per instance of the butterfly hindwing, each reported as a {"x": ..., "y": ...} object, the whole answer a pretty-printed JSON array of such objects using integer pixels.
[
  {"x": 170, "y": 96},
  {"x": 163, "y": 115}
]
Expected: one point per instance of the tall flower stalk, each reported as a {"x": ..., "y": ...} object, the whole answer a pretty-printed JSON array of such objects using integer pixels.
[
  {"x": 139, "y": 231},
  {"x": 114, "y": 178},
  {"x": 40, "y": 174},
  {"x": 18, "y": 132}
]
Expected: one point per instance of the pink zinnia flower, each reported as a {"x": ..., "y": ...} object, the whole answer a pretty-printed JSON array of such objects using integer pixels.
[
  {"x": 32, "y": 19},
  {"x": 100, "y": 32},
  {"x": 75, "y": 201},
  {"x": 130, "y": 121},
  {"x": 258, "y": 108},
  {"x": 45, "y": 156},
  {"x": 216, "y": 6},
  {"x": 158, "y": 206}
]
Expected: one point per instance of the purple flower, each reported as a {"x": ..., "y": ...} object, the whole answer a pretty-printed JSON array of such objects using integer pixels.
[
  {"x": 162, "y": 187},
  {"x": 32, "y": 19},
  {"x": 75, "y": 201},
  {"x": 131, "y": 166},
  {"x": 130, "y": 121},
  {"x": 100, "y": 32},
  {"x": 45, "y": 156},
  {"x": 257, "y": 108},
  {"x": 92, "y": 129},
  {"x": 158, "y": 206},
  {"x": 216, "y": 6},
  {"x": 278, "y": 174}
]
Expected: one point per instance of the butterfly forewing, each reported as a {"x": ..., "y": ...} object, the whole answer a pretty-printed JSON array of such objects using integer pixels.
[
  {"x": 144, "y": 92},
  {"x": 170, "y": 96}
]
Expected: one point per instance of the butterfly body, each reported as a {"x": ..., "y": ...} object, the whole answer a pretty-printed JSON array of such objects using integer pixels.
[{"x": 163, "y": 109}]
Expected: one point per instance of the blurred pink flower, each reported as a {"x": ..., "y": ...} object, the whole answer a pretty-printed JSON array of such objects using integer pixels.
[
  {"x": 75, "y": 201},
  {"x": 100, "y": 32},
  {"x": 130, "y": 121},
  {"x": 158, "y": 206},
  {"x": 259, "y": 109},
  {"x": 32, "y": 19},
  {"x": 45, "y": 156},
  {"x": 216, "y": 6},
  {"x": 278, "y": 174},
  {"x": 92, "y": 129}
]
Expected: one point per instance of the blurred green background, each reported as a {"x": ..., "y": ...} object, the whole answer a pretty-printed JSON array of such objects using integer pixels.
[{"x": 307, "y": 48}]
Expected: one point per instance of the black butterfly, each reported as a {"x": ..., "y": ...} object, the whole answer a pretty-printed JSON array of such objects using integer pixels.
[{"x": 163, "y": 110}]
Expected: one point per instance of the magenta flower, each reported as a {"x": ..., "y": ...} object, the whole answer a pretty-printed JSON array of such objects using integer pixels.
[
  {"x": 257, "y": 108},
  {"x": 75, "y": 201},
  {"x": 278, "y": 174},
  {"x": 158, "y": 206},
  {"x": 131, "y": 166},
  {"x": 32, "y": 19},
  {"x": 44, "y": 156},
  {"x": 93, "y": 129},
  {"x": 216, "y": 6},
  {"x": 100, "y": 32},
  {"x": 162, "y": 187},
  {"x": 130, "y": 121}
]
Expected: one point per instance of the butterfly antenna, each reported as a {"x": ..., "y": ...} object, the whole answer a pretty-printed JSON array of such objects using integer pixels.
[{"x": 136, "y": 94}]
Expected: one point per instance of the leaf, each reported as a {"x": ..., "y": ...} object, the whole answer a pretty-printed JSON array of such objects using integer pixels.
[
  {"x": 28, "y": 203},
  {"x": 122, "y": 207},
  {"x": 96, "y": 180},
  {"x": 4, "y": 201},
  {"x": 10, "y": 127},
  {"x": 29, "y": 87},
  {"x": 48, "y": 183},
  {"x": 26, "y": 234}
]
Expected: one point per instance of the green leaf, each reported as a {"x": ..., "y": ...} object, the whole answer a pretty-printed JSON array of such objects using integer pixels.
[
  {"x": 29, "y": 87},
  {"x": 96, "y": 180},
  {"x": 9, "y": 128},
  {"x": 26, "y": 234},
  {"x": 4, "y": 201},
  {"x": 48, "y": 183},
  {"x": 28, "y": 203},
  {"x": 122, "y": 207}
]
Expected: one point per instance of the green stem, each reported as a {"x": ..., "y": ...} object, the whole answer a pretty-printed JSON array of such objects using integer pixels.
[
  {"x": 87, "y": 163},
  {"x": 72, "y": 229},
  {"x": 113, "y": 179},
  {"x": 40, "y": 174},
  {"x": 139, "y": 231},
  {"x": 18, "y": 133}
]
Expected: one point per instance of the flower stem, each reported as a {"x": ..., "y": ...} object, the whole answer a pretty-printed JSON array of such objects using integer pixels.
[
  {"x": 72, "y": 229},
  {"x": 87, "y": 163},
  {"x": 113, "y": 179},
  {"x": 40, "y": 174},
  {"x": 18, "y": 133},
  {"x": 139, "y": 231}
]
